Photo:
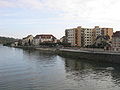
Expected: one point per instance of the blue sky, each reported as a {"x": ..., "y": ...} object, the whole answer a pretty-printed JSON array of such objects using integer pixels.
[{"x": 19, "y": 18}]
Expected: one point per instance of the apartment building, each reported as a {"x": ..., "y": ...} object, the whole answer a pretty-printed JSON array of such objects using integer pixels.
[
  {"x": 70, "y": 34},
  {"x": 86, "y": 36},
  {"x": 73, "y": 36},
  {"x": 96, "y": 32},
  {"x": 116, "y": 41},
  {"x": 107, "y": 31}
]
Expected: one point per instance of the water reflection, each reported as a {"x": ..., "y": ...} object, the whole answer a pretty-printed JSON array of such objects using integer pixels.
[
  {"x": 93, "y": 74},
  {"x": 35, "y": 70},
  {"x": 84, "y": 74},
  {"x": 37, "y": 55}
]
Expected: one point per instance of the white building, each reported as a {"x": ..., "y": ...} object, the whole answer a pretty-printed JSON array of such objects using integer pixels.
[
  {"x": 88, "y": 36},
  {"x": 44, "y": 38},
  {"x": 27, "y": 40}
]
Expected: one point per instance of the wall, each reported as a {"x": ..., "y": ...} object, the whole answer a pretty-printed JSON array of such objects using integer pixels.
[{"x": 92, "y": 56}]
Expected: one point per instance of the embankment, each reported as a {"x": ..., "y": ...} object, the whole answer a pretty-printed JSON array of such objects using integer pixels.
[
  {"x": 98, "y": 56},
  {"x": 26, "y": 47},
  {"x": 90, "y": 55}
]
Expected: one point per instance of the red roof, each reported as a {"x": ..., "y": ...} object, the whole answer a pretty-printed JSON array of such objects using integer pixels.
[
  {"x": 45, "y": 36},
  {"x": 116, "y": 34}
]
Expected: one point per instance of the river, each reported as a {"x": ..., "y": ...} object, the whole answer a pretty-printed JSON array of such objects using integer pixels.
[{"x": 33, "y": 70}]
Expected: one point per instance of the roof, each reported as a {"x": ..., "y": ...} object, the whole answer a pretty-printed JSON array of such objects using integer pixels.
[
  {"x": 116, "y": 34},
  {"x": 27, "y": 37},
  {"x": 104, "y": 37},
  {"x": 45, "y": 35}
]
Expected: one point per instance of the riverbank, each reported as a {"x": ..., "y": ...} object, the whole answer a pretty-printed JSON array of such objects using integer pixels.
[
  {"x": 34, "y": 70},
  {"x": 25, "y": 47},
  {"x": 92, "y": 55}
]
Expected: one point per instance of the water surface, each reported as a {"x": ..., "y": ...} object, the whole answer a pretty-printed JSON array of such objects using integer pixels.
[{"x": 34, "y": 70}]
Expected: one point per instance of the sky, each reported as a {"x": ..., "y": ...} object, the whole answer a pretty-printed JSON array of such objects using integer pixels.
[{"x": 19, "y": 18}]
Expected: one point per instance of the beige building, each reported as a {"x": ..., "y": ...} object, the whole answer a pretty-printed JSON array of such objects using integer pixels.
[
  {"x": 27, "y": 40},
  {"x": 107, "y": 31},
  {"x": 116, "y": 41},
  {"x": 86, "y": 36},
  {"x": 102, "y": 32},
  {"x": 73, "y": 36}
]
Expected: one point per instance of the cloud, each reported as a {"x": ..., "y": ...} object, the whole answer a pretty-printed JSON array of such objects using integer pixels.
[
  {"x": 89, "y": 10},
  {"x": 5, "y": 3},
  {"x": 71, "y": 8},
  {"x": 34, "y": 4},
  {"x": 86, "y": 8},
  {"x": 30, "y": 4}
]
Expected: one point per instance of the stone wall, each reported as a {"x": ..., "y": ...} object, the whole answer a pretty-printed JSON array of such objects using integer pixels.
[{"x": 93, "y": 56}]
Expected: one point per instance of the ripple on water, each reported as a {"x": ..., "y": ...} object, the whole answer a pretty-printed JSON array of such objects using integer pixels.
[{"x": 34, "y": 70}]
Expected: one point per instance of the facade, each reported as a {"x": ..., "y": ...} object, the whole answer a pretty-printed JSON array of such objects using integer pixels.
[
  {"x": 73, "y": 36},
  {"x": 36, "y": 41},
  {"x": 86, "y": 36},
  {"x": 107, "y": 32},
  {"x": 116, "y": 41},
  {"x": 15, "y": 44},
  {"x": 102, "y": 41},
  {"x": 70, "y": 34},
  {"x": 63, "y": 39},
  {"x": 27, "y": 40},
  {"x": 96, "y": 32},
  {"x": 44, "y": 38}
]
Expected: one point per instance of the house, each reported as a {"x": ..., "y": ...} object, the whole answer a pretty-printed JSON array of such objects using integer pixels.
[
  {"x": 63, "y": 39},
  {"x": 102, "y": 41},
  {"x": 14, "y": 44},
  {"x": 116, "y": 41},
  {"x": 27, "y": 40},
  {"x": 44, "y": 38}
]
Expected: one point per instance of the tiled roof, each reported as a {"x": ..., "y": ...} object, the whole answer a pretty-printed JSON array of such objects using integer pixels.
[
  {"x": 44, "y": 35},
  {"x": 116, "y": 34}
]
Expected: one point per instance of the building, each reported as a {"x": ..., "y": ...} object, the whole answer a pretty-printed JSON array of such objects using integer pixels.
[
  {"x": 15, "y": 44},
  {"x": 44, "y": 38},
  {"x": 102, "y": 41},
  {"x": 116, "y": 41},
  {"x": 63, "y": 39},
  {"x": 27, "y": 40},
  {"x": 86, "y": 36},
  {"x": 70, "y": 34},
  {"x": 73, "y": 36},
  {"x": 107, "y": 32},
  {"x": 36, "y": 40},
  {"x": 97, "y": 31}
]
